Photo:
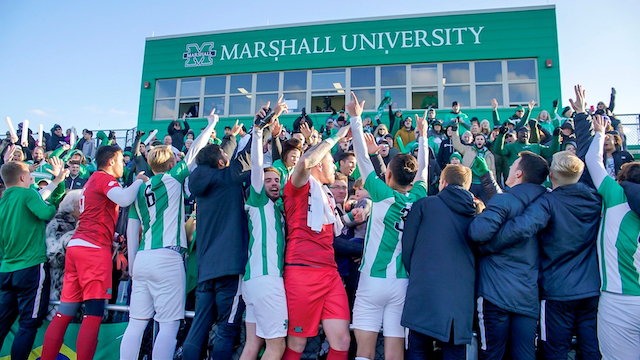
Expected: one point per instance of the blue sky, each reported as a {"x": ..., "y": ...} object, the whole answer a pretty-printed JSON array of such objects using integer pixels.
[{"x": 79, "y": 63}]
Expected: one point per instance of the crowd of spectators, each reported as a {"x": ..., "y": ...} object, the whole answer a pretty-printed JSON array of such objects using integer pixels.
[{"x": 443, "y": 224}]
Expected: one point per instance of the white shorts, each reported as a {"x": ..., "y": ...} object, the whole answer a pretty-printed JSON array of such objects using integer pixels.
[
  {"x": 159, "y": 283},
  {"x": 619, "y": 326},
  {"x": 266, "y": 304},
  {"x": 379, "y": 303}
]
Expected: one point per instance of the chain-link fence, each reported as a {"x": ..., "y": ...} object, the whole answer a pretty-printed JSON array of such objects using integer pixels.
[{"x": 631, "y": 125}]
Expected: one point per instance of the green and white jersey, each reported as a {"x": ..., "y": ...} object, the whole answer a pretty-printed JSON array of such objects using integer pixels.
[
  {"x": 618, "y": 250},
  {"x": 383, "y": 245},
  {"x": 41, "y": 172},
  {"x": 159, "y": 205},
  {"x": 266, "y": 239}
]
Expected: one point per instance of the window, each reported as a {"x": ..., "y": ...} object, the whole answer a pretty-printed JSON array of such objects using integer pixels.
[{"x": 473, "y": 84}]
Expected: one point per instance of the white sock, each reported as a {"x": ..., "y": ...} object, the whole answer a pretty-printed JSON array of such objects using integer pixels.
[
  {"x": 361, "y": 358},
  {"x": 165, "y": 345},
  {"x": 132, "y": 338}
]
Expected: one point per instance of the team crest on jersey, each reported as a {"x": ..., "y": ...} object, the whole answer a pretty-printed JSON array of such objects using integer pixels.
[
  {"x": 286, "y": 324},
  {"x": 199, "y": 55},
  {"x": 297, "y": 329}
]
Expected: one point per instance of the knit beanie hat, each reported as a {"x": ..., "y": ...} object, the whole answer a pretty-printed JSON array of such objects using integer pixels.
[{"x": 456, "y": 155}]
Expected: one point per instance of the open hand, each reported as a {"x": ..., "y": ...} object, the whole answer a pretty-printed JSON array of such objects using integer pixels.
[
  {"x": 8, "y": 155},
  {"x": 276, "y": 127},
  {"x": 579, "y": 104},
  {"x": 599, "y": 124},
  {"x": 306, "y": 131},
  {"x": 142, "y": 176},
  {"x": 372, "y": 146}
]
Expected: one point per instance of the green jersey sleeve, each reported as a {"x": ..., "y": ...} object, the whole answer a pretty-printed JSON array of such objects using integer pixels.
[
  {"x": 377, "y": 188},
  {"x": 180, "y": 172},
  {"x": 612, "y": 193},
  {"x": 257, "y": 199},
  {"x": 419, "y": 189}
]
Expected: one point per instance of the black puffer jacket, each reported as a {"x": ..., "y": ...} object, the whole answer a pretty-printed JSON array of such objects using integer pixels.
[
  {"x": 441, "y": 266},
  {"x": 632, "y": 191},
  {"x": 567, "y": 222},
  {"x": 507, "y": 272}
]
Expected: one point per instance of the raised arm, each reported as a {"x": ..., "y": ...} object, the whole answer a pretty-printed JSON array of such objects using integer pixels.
[
  {"x": 201, "y": 141},
  {"x": 496, "y": 116},
  {"x": 423, "y": 149},
  {"x": 126, "y": 196},
  {"x": 594, "y": 156},
  {"x": 457, "y": 144},
  {"x": 354, "y": 108}
]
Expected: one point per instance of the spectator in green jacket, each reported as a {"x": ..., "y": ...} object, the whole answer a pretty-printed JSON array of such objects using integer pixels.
[{"x": 511, "y": 151}]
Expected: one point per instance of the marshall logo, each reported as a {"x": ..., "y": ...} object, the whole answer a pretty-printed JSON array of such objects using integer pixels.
[{"x": 199, "y": 55}]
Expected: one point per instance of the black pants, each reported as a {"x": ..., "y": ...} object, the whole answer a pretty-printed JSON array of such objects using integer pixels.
[
  {"x": 217, "y": 300},
  {"x": 421, "y": 348},
  {"x": 561, "y": 319},
  {"x": 23, "y": 293},
  {"x": 497, "y": 326}
]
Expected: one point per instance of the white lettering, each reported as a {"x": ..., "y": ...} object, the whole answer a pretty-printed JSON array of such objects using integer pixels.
[
  {"x": 421, "y": 37},
  {"x": 476, "y": 34},
  {"x": 245, "y": 50},
  {"x": 274, "y": 46},
  {"x": 448, "y": 33},
  {"x": 304, "y": 45},
  {"x": 459, "y": 30},
  {"x": 380, "y": 47},
  {"x": 434, "y": 33},
  {"x": 327, "y": 46},
  {"x": 284, "y": 46},
  {"x": 233, "y": 54},
  {"x": 395, "y": 39},
  {"x": 364, "y": 39},
  {"x": 406, "y": 39},
  {"x": 259, "y": 48},
  {"x": 315, "y": 46},
  {"x": 344, "y": 43}
]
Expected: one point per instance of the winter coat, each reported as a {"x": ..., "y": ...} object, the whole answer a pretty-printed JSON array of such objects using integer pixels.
[
  {"x": 507, "y": 273},
  {"x": 566, "y": 221},
  {"x": 441, "y": 266},
  {"x": 470, "y": 152}
]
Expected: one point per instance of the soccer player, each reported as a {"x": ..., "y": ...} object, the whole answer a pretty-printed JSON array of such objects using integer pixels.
[
  {"x": 383, "y": 278},
  {"x": 88, "y": 264},
  {"x": 24, "y": 270},
  {"x": 315, "y": 292},
  {"x": 158, "y": 270},
  {"x": 263, "y": 288}
]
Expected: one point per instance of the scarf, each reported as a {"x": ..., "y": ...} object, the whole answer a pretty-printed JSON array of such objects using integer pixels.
[{"x": 322, "y": 208}]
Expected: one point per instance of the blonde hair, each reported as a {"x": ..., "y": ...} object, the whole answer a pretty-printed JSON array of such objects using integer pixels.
[
  {"x": 359, "y": 184},
  {"x": 159, "y": 158},
  {"x": 566, "y": 168},
  {"x": 11, "y": 172},
  {"x": 455, "y": 174}
]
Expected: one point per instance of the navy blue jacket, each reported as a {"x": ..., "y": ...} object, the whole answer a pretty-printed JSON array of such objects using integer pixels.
[
  {"x": 632, "y": 191},
  {"x": 507, "y": 272},
  {"x": 567, "y": 222},
  {"x": 222, "y": 235},
  {"x": 441, "y": 266}
]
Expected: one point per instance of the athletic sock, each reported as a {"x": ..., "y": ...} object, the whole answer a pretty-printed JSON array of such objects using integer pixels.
[
  {"x": 132, "y": 339},
  {"x": 361, "y": 358},
  {"x": 165, "y": 343},
  {"x": 337, "y": 355},
  {"x": 54, "y": 336},
  {"x": 289, "y": 354},
  {"x": 88, "y": 337}
]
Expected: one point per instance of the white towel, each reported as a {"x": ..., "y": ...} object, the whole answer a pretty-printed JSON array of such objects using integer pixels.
[{"x": 322, "y": 208}]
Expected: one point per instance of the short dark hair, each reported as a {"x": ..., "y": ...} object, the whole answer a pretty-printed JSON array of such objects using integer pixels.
[
  {"x": 210, "y": 155},
  {"x": 290, "y": 145},
  {"x": 535, "y": 168},
  {"x": 10, "y": 172},
  {"x": 404, "y": 168},
  {"x": 345, "y": 155},
  {"x": 630, "y": 172},
  {"x": 106, "y": 153}
]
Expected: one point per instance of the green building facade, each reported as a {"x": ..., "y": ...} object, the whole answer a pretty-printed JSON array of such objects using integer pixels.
[{"x": 420, "y": 60}]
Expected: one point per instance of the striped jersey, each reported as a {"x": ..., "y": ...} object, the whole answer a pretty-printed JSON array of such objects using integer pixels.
[
  {"x": 159, "y": 205},
  {"x": 618, "y": 250},
  {"x": 266, "y": 239},
  {"x": 383, "y": 245}
]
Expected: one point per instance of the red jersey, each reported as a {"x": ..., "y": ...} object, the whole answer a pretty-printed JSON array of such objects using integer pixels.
[
  {"x": 98, "y": 214},
  {"x": 305, "y": 246}
]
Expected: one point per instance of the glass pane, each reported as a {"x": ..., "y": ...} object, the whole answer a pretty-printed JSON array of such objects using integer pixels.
[
  {"x": 241, "y": 84},
  {"x": 521, "y": 69},
  {"x": 456, "y": 93},
  {"x": 455, "y": 73},
  {"x": 267, "y": 82},
  {"x": 328, "y": 79},
  {"x": 216, "y": 102},
  {"x": 327, "y": 103},
  {"x": 190, "y": 87},
  {"x": 166, "y": 88},
  {"x": 398, "y": 98},
  {"x": 262, "y": 99},
  {"x": 361, "y": 77},
  {"x": 215, "y": 85},
  {"x": 239, "y": 105},
  {"x": 165, "y": 109},
  {"x": 295, "y": 80},
  {"x": 191, "y": 107},
  {"x": 484, "y": 94},
  {"x": 296, "y": 101},
  {"x": 393, "y": 75},
  {"x": 522, "y": 93},
  {"x": 489, "y": 71},
  {"x": 369, "y": 96},
  {"x": 423, "y": 98},
  {"x": 424, "y": 75}
]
